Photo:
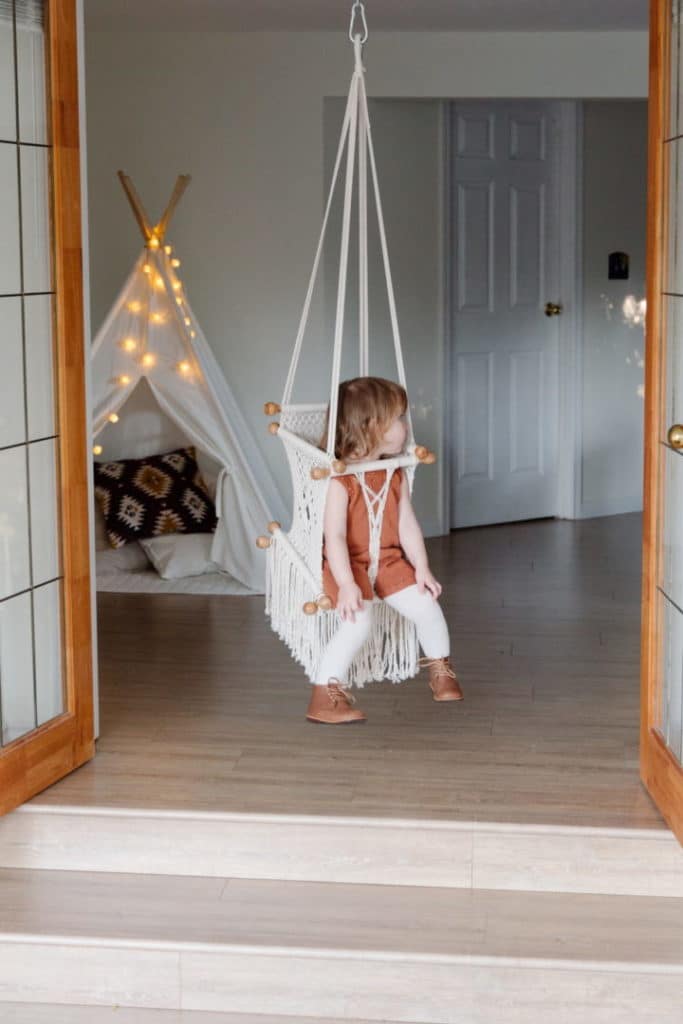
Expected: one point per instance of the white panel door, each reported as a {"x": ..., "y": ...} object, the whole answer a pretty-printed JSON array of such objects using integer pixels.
[{"x": 505, "y": 262}]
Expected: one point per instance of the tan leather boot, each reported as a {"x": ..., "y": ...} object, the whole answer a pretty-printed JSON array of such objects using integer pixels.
[
  {"x": 333, "y": 705},
  {"x": 443, "y": 681}
]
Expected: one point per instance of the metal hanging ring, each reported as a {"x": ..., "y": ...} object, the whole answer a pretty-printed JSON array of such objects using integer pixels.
[{"x": 359, "y": 10}]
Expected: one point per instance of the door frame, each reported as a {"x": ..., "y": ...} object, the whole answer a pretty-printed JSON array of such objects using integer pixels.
[
  {"x": 660, "y": 772},
  {"x": 34, "y": 761},
  {"x": 570, "y": 334}
]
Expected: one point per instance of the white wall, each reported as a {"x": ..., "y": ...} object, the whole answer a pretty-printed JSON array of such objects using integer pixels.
[
  {"x": 244, "y": 115},
  {"x": 614, "y": 215}
]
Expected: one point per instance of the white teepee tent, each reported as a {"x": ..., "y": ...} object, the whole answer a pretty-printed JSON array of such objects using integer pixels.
[{"x": 151, "y": 333}]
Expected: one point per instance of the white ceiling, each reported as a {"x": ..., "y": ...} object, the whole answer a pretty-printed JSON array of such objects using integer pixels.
[{"x": 401, "y": 15}]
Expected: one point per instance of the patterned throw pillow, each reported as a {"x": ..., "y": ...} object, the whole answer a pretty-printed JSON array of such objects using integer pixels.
[{"x": 150, "y": 497}]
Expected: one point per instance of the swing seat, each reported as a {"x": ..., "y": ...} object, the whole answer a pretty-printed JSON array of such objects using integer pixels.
[{"x": 300, "y": 612}]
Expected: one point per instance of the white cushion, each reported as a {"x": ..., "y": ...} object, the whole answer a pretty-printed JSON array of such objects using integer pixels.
[
  {"x": 129, "y": 558},
  {"x": 180, "y": 554}
]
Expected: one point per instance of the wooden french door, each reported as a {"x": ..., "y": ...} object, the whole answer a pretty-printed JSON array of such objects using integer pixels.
[
  {"x": 46, "y": 709},
  {"x": 661, "y": 747}
]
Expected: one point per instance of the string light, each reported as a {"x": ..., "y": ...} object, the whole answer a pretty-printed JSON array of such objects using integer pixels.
[
  {"x": 179, "y": 300},
  {"x": 154, "y": 242},
  {"x": 149, "y": 359},
  {"x": 129, "y": 344},
  {"x": 97, "y": 449},
  {"x": 168, "y": 249},
  {"x": 124, "y": 379},
  {"x": 187, "y": 321},
  {"x": 175, "y": 262},
  {"x": 177, "y": 285},
  {"x": 193, "y": 334},
  {"x": 157, "y": 318},
  {"x": 135, "y": 307},
  {"x": 185, "y": 368},
  {"x": 158, "y": 281},
  {"x": 146, "y": 268},
  {"x": 113, "y": 418}
]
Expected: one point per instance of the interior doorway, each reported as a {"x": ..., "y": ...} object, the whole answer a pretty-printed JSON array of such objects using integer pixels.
[
  {"x": 504, "y": 186},
  {"x": 545, "y": 255}
]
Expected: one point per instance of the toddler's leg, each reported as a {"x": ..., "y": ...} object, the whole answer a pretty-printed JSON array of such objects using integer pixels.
[
  {"x": 330, "y": 703},
  {"x": 344, "y": 646},
  {"x": 426, "y": 613}
]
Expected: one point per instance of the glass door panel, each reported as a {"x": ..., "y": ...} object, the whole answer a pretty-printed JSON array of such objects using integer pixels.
[
  {"x": 45, "y": 644},
  {"x": 662, "y": 635}
]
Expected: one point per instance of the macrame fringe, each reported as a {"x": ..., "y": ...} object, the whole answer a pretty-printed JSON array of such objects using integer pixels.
[{"x": 390, "y": 652}]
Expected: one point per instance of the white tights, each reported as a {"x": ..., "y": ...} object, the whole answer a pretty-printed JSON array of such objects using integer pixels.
[{"x": 422, "y": 609}]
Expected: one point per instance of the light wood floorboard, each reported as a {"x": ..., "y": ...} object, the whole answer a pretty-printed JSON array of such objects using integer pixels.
[{"x": 203, "y": 709}]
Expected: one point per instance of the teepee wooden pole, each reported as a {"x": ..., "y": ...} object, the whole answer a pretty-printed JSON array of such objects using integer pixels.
[
  {"x": 181, "y": 184},
  {"x": 136, "y": 205}
]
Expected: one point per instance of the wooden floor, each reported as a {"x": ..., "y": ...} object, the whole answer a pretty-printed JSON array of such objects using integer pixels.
[{"x": 203, "y": 709}]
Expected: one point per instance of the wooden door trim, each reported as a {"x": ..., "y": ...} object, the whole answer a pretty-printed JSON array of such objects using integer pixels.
[
  {"x": 46, "y": 754},
  {"x": 659, "y": 770}
]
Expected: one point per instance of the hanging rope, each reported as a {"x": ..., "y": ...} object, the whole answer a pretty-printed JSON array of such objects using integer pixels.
[
  {"x": 289, "y": 383},
  {"x": 363, "y": 294},
  {"x": 356, "y": 136}
]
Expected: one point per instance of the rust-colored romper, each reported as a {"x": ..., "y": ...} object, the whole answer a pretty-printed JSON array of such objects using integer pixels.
[{"x": 394, "y": 571}]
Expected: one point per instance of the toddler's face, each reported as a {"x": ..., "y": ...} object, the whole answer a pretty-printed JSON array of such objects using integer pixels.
[{"x": 395, "y": 437}]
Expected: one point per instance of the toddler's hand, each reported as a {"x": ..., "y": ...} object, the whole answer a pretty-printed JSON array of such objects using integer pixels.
[
  {"x": 349, "y": 601},
  {"x": 426, "y": 581}
]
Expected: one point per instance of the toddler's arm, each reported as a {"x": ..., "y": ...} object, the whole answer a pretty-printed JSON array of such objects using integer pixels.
[
  {"x": 412, "y": 542},
  {"x": 350, "y": 598}
]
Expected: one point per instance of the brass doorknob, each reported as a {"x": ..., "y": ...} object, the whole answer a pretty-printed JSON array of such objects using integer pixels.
[
  {"x": 674, "y": 435},
  {"x": 552, "y": 309}
]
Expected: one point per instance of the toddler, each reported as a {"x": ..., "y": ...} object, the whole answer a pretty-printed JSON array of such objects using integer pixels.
[{"x": 371, "y": 425}]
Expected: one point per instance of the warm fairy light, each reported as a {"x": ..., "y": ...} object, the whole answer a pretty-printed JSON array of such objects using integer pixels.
[
  {"x": 129, "y": 344},
  {"x": 179, "y": 300},
  {"x": 135, "y": 307},
  {"x": 175, "y": 262},
  {"x": 146, "y": 268},
  {"x": 97, "y": 449},
  {"x": 154, "y": 242},
  {"x": 187, "y": 321},
  {"x": 158, "y": 281},
  {"x": 157, "y": 318},
  {"x": 168, "y": 249},
  {"x": 124, "y": 379},
  {"x": 177, "y": 285},
  {"x": 149, "y": 359},
  {"x": 113, "y": 418},
  {"x": 185, "y": 368},
  {"x": 193, "y": 334}
]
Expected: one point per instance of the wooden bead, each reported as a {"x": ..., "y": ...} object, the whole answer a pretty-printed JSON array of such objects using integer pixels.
[
  {"x": 273, "y": 428},
  {"x": 273, "y": 526},
  {"x": 319, "y": 472},
  {"x": 338, "y": 466},
  {"x": 429, "y": 459},
  {"x": 263, "y": 542},
  {"x": 310, "y": 608},
  {"x": 421, "y": 452},
  {"x": 271, "y": 408},
  {"x": 324, "y": 603}
]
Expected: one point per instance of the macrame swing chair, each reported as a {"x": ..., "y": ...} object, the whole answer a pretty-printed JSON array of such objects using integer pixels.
[{"x": 300, "y": 612}]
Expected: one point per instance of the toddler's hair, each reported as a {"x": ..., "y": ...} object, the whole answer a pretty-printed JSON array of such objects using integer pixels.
[{"x": 365, "y": 411}]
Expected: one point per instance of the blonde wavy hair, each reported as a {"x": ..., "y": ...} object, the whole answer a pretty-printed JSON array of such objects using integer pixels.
[{"x": 367, "y": 406}]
